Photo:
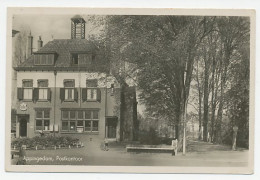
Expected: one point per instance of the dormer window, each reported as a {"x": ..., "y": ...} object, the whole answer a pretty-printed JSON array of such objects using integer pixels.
[
  {"x": 82, "y": 58},
  {"x": 44, "y": 58},
  {"x": 75, "y": 59}
]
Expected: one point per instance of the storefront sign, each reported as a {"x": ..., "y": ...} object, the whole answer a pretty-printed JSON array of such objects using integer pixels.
[{"x": 23, "y": 107}]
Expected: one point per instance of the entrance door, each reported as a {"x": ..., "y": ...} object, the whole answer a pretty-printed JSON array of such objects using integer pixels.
[
  {"x": 111, "y": 127},
  {"x": 23, "y": 127}
]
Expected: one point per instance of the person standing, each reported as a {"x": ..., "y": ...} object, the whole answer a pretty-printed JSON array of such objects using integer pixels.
[{"x": 106, "y": 144}]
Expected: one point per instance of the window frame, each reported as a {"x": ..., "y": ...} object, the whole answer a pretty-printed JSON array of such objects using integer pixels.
[
  {"x": 92, "y": 88},
  {"x": 43, "y": 88},
  {"x": 74, "y": 56},
  {"x": 91, "y": 119},
  {"x": 27, "y": 88},
  {"x": 69, "y": 89},
  {"x": 42, "y": 119},
  {"x": 46, "y": 56}
]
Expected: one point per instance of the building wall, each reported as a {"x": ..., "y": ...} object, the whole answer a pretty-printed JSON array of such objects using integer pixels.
[{"x": 55, "y": 104}]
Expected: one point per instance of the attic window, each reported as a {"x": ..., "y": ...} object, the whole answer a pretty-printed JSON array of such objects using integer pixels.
[
  {"x": 75, "y": 59},
  {"x": 44, "y": 59}
]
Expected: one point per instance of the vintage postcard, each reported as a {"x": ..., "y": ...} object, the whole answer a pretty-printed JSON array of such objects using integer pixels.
[{"x": 130, "y": 90}]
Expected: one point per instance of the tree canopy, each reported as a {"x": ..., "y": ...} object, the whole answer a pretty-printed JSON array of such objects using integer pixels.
[{"x": 170, "y": 56}]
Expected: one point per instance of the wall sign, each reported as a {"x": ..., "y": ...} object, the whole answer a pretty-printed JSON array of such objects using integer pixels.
[{"x": 23, "y": 107}]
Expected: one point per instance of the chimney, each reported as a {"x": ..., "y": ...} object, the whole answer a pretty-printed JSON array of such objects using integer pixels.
[
  {"x": 40, "y": 43},
  {"x": 29, "y": 45}
]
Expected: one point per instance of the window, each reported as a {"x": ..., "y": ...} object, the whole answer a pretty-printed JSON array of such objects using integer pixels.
[
  {"x": 79, "y": 123},
  {"x": 80, "y": 120},
  {"x": 44, "y": 59},
  {"x": 72, "y": 114},
  {"x": 112, "y": 89},
  {"x": 87, "y": 125},
  {"x": 75, "y": 59},
  {"x": 43, "y": 89},
  {"x": 72, "y": 125},
  {"x": 65, "y": 125},
  {"x": 91, "y": 89},
  {"x": 91, "y": 120},
  {"x": 65, "y": 114},
  {"x": 91, "y": 94},
  {"x": 27, "y": 89},
  {"x": 94, "y": 125},
  {"x": 69, "y": 89},
  {"x": 80, "y": 115},
  {"x": 42, "y": 119}
]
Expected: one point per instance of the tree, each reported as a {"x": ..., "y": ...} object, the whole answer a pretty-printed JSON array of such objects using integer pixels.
[
  {"x": 163, "y": 54},
  {"x": 20, "y": 46},
  {"x": 233, "y": 32},
  {"x": 162, "y": 49}
]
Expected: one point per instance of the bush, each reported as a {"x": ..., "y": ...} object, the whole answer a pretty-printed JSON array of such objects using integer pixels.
[
  {"x": 49, "y": 141},
  {"x": 151, "y": 138}
]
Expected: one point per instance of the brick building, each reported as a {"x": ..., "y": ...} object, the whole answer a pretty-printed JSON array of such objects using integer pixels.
[{"x": 65, "y": 87}]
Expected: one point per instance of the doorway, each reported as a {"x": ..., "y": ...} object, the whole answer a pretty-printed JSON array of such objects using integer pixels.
[
  {"x": 23, "y": 127},
  {"x": 111, "y": 127}
]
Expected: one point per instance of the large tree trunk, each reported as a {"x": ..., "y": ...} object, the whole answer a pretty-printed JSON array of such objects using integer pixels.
[
  {"x": 122, "y": 111},
  {"x": 200, "y": 99},
  {"x": 200, "y": 115},
  {"x": 219, "y": 116},
  {"x": 205, "y": 100},
  {"x": 213, "y": 103}
]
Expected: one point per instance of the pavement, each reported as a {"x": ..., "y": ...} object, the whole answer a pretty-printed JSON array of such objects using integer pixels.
[{"x": 93, "y": 154}]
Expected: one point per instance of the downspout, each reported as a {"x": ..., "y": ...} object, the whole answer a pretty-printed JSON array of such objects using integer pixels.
[
  {"x": 79, "y": 93},
  {"x": 54, "y": 104}
]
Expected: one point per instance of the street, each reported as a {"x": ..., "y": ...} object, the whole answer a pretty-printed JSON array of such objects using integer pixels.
[{"x": 92, "y": 154}]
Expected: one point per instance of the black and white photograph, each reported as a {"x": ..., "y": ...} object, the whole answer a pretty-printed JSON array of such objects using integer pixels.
[{"x": 141, "y": 88}]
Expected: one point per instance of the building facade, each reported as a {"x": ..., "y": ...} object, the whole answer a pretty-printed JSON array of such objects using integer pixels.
[{"x": 65, "y": 87}]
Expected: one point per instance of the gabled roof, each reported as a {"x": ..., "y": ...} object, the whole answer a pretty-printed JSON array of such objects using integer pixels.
[{"x": 63, "y": 49}]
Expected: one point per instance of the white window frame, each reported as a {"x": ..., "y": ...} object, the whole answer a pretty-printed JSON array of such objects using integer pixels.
[
  {"x": 28, "y": 89},
  {"x": 43, "y": 91}
]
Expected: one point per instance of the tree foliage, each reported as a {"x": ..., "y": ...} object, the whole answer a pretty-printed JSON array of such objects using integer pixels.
[{"x": 174, "y": 59}]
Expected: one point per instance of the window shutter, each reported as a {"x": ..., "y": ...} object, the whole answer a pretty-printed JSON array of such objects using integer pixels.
[
  {"x": 62, "y": 94},
  {"x": 98, "y": 95},
  {"x": 84, "y": 94},
  {"x": 20, "y": 93},
  {"x": 35, "y": 94},
  {"x": 49, "y": 94},
  {"x": 75, "y": 94}
]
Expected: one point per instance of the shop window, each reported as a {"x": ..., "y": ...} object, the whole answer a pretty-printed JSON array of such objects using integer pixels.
[
  {"x": 88, "y": 114},
  {"x": 65, "y": 125},
  {"x": 72, "y": 114},
  {"x": 94, "y": 125},
  {"x": 80, "y": 115},
  {"x": 80, "y": 121},
  {"x": 87, "y": 125},
  {"x": 72, "y": 125}
]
